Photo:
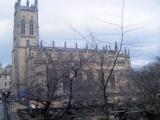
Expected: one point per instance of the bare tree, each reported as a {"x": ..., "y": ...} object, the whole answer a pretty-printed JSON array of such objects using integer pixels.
[
  {"x": 53, "y": 83},
  {"x": 103, "y": 78},
  {"x": 47, "y": 77},
  {"x": 147, "y": 87}
]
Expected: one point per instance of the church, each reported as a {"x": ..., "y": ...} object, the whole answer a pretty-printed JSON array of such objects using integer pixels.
[{"x": 35, "y": 65}]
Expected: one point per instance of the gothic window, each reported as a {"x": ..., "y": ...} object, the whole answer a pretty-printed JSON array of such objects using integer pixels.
[
  {"x": 23, "y": 27},
  {"x": 31, "y": 27}
]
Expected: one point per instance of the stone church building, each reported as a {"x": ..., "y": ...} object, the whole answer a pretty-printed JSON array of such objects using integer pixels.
[{"x": 34, "y": 63}]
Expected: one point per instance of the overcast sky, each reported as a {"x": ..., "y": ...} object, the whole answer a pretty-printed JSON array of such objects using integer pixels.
[{"x": 56, "y": 17}]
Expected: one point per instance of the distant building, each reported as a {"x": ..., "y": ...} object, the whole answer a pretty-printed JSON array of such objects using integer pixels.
[
  {"x": 5, "y": 78},
  {"x": 27, "y": 54}
]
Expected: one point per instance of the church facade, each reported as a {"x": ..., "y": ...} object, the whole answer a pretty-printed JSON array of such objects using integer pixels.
[{"x": 34, "y": 64}]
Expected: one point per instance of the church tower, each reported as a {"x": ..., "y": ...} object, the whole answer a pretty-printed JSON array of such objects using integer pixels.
[{"x": 26, "y": 30}]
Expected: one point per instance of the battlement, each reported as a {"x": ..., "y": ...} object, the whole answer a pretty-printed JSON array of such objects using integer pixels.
[
  {"x": 27, "y": 7},
  {"x": 107, "y": 49}
]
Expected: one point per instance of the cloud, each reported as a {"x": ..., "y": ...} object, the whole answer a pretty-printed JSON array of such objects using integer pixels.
[
  {"x": 55, "y": 17},
  {"x": 138, "y": 63},
  {"x": 4, "y": 25},
  {"x": 5, "y": 41}
]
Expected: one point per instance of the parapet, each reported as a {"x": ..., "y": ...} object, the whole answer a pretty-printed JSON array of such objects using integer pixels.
[{"x": 27, "y": 7}]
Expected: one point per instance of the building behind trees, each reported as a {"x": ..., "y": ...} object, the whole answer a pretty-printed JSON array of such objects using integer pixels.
[
  {"x": 54, "y": 75},
  {"x": 34, "y": 64}
]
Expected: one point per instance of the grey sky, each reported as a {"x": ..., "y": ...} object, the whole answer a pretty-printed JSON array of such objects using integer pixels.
[{"x": 55, "y": 17}]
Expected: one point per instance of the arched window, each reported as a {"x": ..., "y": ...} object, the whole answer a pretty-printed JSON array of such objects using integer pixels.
[
  {"x": 31, "y": 27},
  {"x": 23, "y": 31}
]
